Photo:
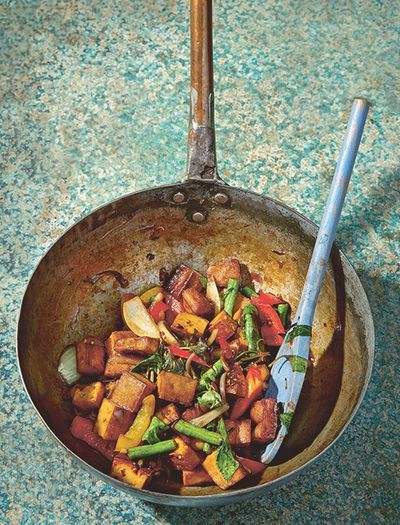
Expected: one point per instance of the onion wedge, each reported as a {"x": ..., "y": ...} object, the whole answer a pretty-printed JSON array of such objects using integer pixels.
[
  {"x": 67, "y": 366},
  {"x": 138, "y": 319},
  {"x": 206, "y": 418},
  {"x": 166, "y": 335},
  {"x": 213, "y": 295}
]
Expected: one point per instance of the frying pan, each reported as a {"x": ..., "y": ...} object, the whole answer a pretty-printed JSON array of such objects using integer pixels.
[{"x": 196, "y": 222}]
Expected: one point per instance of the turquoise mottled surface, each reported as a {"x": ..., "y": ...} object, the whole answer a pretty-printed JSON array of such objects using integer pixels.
[{"x": 94, "y": 103}]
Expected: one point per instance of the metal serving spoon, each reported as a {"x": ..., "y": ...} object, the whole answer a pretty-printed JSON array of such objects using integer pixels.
[{"x": 290, "y": 365}]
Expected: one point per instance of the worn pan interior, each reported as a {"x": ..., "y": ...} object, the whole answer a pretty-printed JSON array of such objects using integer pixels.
[{"x": 142, "y": 232}]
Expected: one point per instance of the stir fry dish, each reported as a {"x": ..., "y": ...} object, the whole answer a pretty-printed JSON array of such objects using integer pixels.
[{"x": 178, "y": 392}]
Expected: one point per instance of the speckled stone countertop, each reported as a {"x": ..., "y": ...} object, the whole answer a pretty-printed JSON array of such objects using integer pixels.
[{"x": 94, "y": 104}]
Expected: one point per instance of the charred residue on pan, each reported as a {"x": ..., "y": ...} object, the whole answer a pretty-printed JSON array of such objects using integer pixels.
[{"x": 92, "y": 279}]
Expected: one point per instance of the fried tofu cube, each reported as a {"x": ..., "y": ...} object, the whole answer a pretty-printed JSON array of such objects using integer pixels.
[
  {"x": 182, "y": 278},
  {"x": 239, "y": 432},
  {"x": 225, "y": 325},
  {"x": 125, "y": 470},
  {"x": 230, "y": 351},
  {"x": 82, "y": 428},
  {"x": 186, "y": 325},
  {"x": 118, "y": 364},
  {"x": 112, "y": 420},
  {"x": 193, "y": 412},
  {"x": 122, "y": 342},
  {"x": 183, "y": 457},
  {"x": 197, "y": 303},
  {"x": 176, "y": 388},
  {"x": 236, "y": 383},
  {"x": 222, "y": 271},
  {"x": 168, "y": 414},
  {"x": 263, "y": 409},
  {"x": 196, "y": 477},
  {"x": 110, "y": 387},
  {"x": 88, "y": 397},
  {"x": 210, "y": 465},
  {"x": 130, "y": 391},
  {"x": 264, "y": 412},
  {"x": 90, "y": 354},
  {"x": 264, "y": 432}
]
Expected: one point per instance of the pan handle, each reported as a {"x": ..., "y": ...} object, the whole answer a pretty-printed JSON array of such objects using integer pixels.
[{"x": 202, "y": 160}]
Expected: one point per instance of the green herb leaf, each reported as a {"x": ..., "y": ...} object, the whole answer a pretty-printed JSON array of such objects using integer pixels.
[
  {"x": 210, "y": 376},
  {"x": 200, "y": 348},
  {"x": 154, "y": 433},
  {"x": 226, "y": 461},
  {"x": 207, "y": 448},
  {"x": 152, "y": 363},
  {"x": 161, "y": 360},
  {"x": 212, "y": 425},
  {"x": 286, "y": 419},
  {"x": 298, "y": 364},
  {"x": 203, "y": 281},
  {"x": 300, "y": 329},
  {"x": 227, "y": 464},
  {"x": 173, "y": 364},
  {"x": 222, "y": 430},
  {"x": 210, "y": 399}
]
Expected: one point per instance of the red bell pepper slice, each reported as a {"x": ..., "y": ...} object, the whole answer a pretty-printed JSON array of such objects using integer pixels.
[
  {"x": 264, "y": 298},
  {"x": 185, "y": 354},
  {"x": 270, "y": 336},
  {"x": 270, "y": 316},
  {"x": 223, "y": 343},
  {"x": 175, "y": 307},
  {"x": 254, "y": 391},
  {"x": 254, "y": 466},
  {"x": 272, "y": 330},
  {"x": 157, "y": 309}
]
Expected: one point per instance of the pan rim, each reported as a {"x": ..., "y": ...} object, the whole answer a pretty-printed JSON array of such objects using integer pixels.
[{"x": 234, "y": 494}]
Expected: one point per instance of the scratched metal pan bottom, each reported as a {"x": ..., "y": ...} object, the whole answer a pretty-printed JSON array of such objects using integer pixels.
[{"x": 142, "y": 232}]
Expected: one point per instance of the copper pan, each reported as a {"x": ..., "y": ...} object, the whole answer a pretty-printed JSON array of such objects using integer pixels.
[{"x": 197, "y": 221}]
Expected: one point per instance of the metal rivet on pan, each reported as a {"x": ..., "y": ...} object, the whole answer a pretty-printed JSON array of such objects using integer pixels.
[
  {"x": 221, "y": 198},
  {"x": 178, "y": 197},
  {"x": 198, "y": 216}
]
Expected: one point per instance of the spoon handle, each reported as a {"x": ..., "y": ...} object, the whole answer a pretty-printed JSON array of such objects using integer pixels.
[
  {"x": 289, "y": 368},
  {"x": 333, "y": 209}
]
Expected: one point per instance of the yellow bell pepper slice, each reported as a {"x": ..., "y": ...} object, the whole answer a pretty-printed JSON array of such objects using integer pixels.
[
  {"x": 133, "y": 436},
  {"x": 148, "y": 294}
]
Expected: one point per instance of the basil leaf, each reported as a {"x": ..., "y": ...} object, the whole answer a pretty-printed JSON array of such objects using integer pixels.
[
  {"x": 298, "y": 364},
  {"x": 226, "y": 461},
  {"x": 154, "y": 433},
  {"x": 154, "y": 362},
  {"x": 286, "y": 419},
  {"x": 203, "y": 281},
  {"x": 209, "y": 376},
  {"x": 222, "y": 431},
  {"x": 200, "y": 348},
  {"x": 210, "y": 399},
  {"x": 173, "y": 364}
]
